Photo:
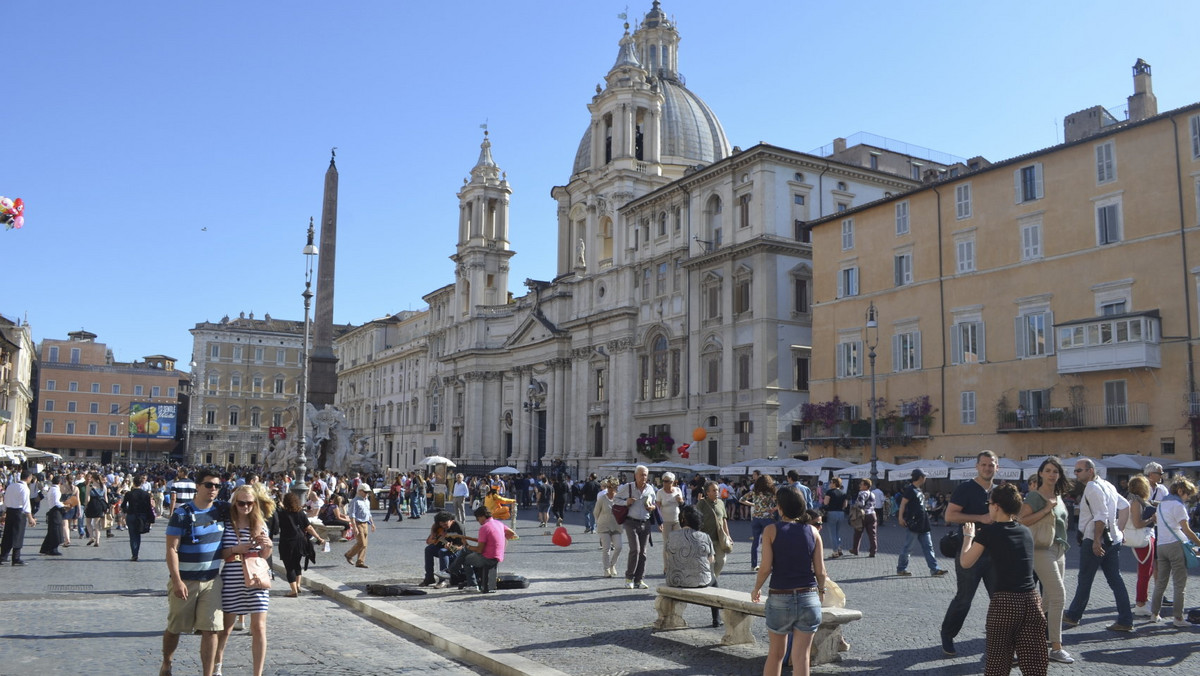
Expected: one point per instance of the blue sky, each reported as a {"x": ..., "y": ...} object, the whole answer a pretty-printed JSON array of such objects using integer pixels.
[{"x": 170, "y": 154}]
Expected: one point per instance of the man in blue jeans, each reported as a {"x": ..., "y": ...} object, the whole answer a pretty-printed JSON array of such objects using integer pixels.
[
  {"x": 915, "y": 519},
  {"x": 591, "y": 489},
  {"x": 1100, "y": 516},
  {"x": 969, "y": 503}
]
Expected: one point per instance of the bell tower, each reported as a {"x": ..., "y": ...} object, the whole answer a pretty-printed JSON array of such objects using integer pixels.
[{"x": 481, "y": 256}]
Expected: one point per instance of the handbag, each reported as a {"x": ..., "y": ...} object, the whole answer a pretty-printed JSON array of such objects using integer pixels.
[
  {"x": 726, "y": 543},
  {"x": 834, "y": 596},
  {"x": 1043, "y": 530},
  {"x": 1189, "y": 550},
  {"x": 255, "y": 572},
  {"x": 951, "y": 543},
  {"x": 71, "y": 501},
  {"x": 621, "y": 512}
]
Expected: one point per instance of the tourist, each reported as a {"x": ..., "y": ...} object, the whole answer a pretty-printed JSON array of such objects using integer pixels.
[
  {"x": 969, "y": 504},
  {"x": 914, "y": 518},
  {"x": 1172, "y": 528},
  {"x": 1099, "y": 513},
  {"x": 245, "y": 536},
  {"x": 668, "y": 499},
  {"x": 607, "y": 527},
  {"x": 761, "y": 500},
  {"x": 138, "y": 508},
  {"x": 18, "y": 511},
  {"x": 835, "y": 514},
  {"x": 689, "y": 553},
  {"x": 1046, "y": 517},
  {"x": 361, "y": 521},
  {"x": 1143, "y": 514},
  {"x": 639, "y": 497},
  {"x": 294, "y": 545},
  {"x": 865, "y": 500}
]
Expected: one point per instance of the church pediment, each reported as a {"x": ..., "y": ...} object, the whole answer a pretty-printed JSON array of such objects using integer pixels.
[{"x": 534, "y": 329}]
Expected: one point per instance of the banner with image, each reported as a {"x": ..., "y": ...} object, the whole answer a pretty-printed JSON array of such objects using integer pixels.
[{"x": 152, "y": 421}]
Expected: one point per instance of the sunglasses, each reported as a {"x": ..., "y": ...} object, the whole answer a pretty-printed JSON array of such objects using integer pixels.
[
  {"x": 211, "y": 485},
  {"x": 245, "y": 503}
]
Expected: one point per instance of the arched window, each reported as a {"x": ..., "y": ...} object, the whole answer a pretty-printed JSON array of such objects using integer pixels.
[
  {"x": 660, "y": 358},
  {"x": 712, "y": 226}
]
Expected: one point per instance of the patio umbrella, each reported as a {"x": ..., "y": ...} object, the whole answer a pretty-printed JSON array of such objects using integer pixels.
[
  {"x": 505, "y": 470},
  {"x": 863, "y": 471},
  {"x": 672, "y": 466},
  {"x": 1031, "y": 465},
  {"x": 438, "y": 460},
  {"x": 1008, "y": 469},
  {"x": 33, "y": 453},
  {"x": 934, "y": 469}
]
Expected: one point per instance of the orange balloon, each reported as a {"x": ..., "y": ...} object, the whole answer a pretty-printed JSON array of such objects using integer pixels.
[
  {"x": 561, "y": 537},
  {"x": 699, "y": 434}
]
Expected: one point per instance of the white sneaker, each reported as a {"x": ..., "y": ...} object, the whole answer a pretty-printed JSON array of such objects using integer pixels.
[
  {"x": 1141, "y": 611},
  {"x": 628, "y": 584},
  {"x": 1062, "y": 656},
  {"x": 1155, "y": 619},
  {"x": 1182, "y": 623}
]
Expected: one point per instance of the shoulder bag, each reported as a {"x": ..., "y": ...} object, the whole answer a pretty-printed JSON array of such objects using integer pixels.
[
  {"x": 1189, "y": 549},
  {"x": 620, "y": 511},
  {"x": 951, "y": 543},
  {"x": 255, "y": 573},
  {"x": 1136, "y": 537},
  {"x": 1043, "y": 530}
]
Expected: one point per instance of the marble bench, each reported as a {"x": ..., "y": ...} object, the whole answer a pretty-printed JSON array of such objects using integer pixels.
[{"x": 738, "y": 611}]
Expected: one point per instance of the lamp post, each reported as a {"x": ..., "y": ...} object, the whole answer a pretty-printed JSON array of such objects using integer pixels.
[
  {"x": 300, "y": 486},
  {"x": 191, "y": 399},
  {"x": 872, "y": 343}
]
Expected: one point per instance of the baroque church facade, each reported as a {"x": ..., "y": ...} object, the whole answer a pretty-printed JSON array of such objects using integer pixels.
[{"x": 681, "y": 300}]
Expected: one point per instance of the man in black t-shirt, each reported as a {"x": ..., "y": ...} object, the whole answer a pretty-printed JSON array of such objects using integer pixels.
[
  {"x": 913, "y": 517},
  {"x": 591, "y": 488},
  {"x": 969, "y": 504}
]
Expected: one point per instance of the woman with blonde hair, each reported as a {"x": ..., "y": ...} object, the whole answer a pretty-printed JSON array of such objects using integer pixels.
[
  {"x": 245, "y": 536},
  {"x": 1171, "y": 564},
  {"x": 1142, "y": 515},
  {"x": 607, "y": 527}
]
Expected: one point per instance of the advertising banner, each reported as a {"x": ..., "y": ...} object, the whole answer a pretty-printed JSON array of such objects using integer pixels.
[{"x": 152, "y": 421}]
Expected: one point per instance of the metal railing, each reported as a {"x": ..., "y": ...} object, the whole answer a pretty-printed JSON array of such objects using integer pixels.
[{"x": 1078, "y": 417}]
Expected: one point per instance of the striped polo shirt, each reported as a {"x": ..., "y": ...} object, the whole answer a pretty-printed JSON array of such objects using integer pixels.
[{"x": 199, "y": 544}]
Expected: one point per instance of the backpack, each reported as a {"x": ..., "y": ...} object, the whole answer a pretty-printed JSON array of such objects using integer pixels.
[{"x": 856, "y": 516}]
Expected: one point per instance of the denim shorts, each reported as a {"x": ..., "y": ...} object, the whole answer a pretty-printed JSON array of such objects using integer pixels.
[{"x": 793, "y": 612}]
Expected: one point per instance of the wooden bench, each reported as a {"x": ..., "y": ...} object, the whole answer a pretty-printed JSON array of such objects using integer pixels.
[{"x": 738, "y": 611}]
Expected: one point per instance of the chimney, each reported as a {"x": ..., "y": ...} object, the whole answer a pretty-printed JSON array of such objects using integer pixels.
[
  {"x": 839, "y": 145},
  {"x": 1143, "y": 103}
]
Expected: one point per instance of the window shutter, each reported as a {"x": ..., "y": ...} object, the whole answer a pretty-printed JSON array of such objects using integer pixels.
[
  {"x": 841, "y": 290},
  {"x": 982, "y": 342},
  {"x": 955, "y": 344},
  {"x": 1037, "y": 181},
  {"x": 1196, "y": 136},
  {"x": 895, "y": 353},
  {"x": 897, "y": 270},
  {"x": 840, "y": 361},
  {"x": 1018, "y": 191},
  {"x": 1019, "y": 331},
  {"x": 1049, "y": 332},
  {"x": 916, "y": 349}
]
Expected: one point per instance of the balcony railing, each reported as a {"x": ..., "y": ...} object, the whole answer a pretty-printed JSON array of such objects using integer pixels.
[
  {"x": 859, "y": 431},
  {"x": 1079, "y": 417}
]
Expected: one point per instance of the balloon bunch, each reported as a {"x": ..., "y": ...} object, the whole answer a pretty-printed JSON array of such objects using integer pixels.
[
  {"x": 683, "y": 450},
  {"x": 11, "y": 212}
]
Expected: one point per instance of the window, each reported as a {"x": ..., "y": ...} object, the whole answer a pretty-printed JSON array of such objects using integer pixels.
[
  {"x": 214, "y": 381},
  {"x": 112, "y": 429},
  {"x": 256, "y": 383},
  {"x": 75, "y": 354},
  {"x": 93, "y": 428},
  {"x": 116, "y": 389},
  {"x": 848, "y": 282},
  {"x": 255, "y": 417},
  {"x": 72, "y": 386},
  {"x": 967, "y": 343},
  {"x": 712, "y": 298},
  {"x": 49, "y": 405},
  {"x": 279, "y": 386},
  {"x": 70, "y": 427},
  {"x": 277, "y": 419},
  {"x": 743, "y": 368},
  {"x": 842, "y": 206},
  {"x": 114, "y": 409},
  {"x": 902, "y": 267},
  {"x": 906, "y": 351},
  {"x": 600, "y": 394},
  {"x": 210, "y": 416},
  {"x": 745, "y": 427},
  {"x": 1108, "y": 222},
  {"x": 662, "y": 224},
  {"x": 50, "y": 384},
  {"x": 741, "y": 296},
  {"x": 659, "y": 357},
  {"x": 1195, "y": 125},
  {"x": 137, "y": 390},
  {"x": 72, "y": 406},
  {"x": 964, "y": 254},
  {"x": 744, "y": 211},
  {"x": 1031, "y": 240},
  {"x": 48, "y": 427},
  {"x": 800, "y": 295},
  {"x": 1027, "y": 182},
  {"x": 802, "y": 233},
  {"x": 237, "y": 352},
  {"x": 902, "y": 218},
  {"x": 1106, "y": 163},
  {"x": 962, "y": 201},
  {"x": 967, "y": 407},
  {"x": 848, "y": 359},
  {"x": 1166, "y": 446},
  {"x": 1112, "y": 308},
  {"x": 94, "y": 407},
  {"x": 280, "y": 357},
  {"x": 1032, "y": 334},
  {"x": 258, "y": 355},
  {"x": 235, "y": 382},
  {"x": 95, "y": 388},
  {"x": 645, "y": 283},
  {"x": 678, "y": 218},
  {"x": 711, "y": 362},
  {"x": 847, "y": 234},
  {"x": 233, "y": 416},
  {"x": 798, "y": 200},
  {"x": 156, "y": 391},
  {"x": 874, "y": 161},
  {"x": 802, "y": 364},
  {"x": 214, "y": 351},
  {"x": 53, "y": 353},
  {"x": 660, "y": 281}
]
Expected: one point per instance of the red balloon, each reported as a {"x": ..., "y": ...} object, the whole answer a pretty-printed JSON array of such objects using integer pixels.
[
  {"x": 699, "y": 434},
  {"x": 561, "y": 537}
]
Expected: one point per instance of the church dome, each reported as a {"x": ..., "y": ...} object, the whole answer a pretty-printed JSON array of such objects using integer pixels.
[{"x": 691, "y": 132}]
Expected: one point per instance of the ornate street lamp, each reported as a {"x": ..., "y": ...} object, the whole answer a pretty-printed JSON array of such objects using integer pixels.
[
  {"x": 872, "y": 343},
  {"x": 300, "y": 486}
]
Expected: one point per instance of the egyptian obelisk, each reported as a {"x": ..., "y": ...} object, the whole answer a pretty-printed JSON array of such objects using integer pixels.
[{"x": 322, "y": 379}]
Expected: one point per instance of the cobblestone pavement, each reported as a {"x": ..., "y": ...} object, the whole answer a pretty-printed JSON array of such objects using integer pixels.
[
  {"x": 569, "y": 618},
  {"x": 93, "y": 611}
]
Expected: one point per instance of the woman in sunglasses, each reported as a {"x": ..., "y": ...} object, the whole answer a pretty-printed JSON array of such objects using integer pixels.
[{"x": 245, "y": 536}]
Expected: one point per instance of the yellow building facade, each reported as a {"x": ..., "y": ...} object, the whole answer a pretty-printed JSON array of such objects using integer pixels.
[{"x": 1047, "y": 304}]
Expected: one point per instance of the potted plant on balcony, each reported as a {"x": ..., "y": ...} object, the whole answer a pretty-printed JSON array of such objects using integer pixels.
[{"x": 655, "y": 448}]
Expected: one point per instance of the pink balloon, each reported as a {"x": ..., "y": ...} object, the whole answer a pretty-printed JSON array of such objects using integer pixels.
[{"x": 19, "y": 222}]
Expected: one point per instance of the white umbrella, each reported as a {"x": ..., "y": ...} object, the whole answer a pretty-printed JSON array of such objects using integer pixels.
[
  {"x": 934, "y": 469},
  {"x": 438, "y": 460},
  {"x": 505, "y": 470},
  {"x": 33, "y": 452},
  {"x": 863, "y": 471},
  {"x": 672, "y": 466},
  {"x": 1006, "y": 469}
]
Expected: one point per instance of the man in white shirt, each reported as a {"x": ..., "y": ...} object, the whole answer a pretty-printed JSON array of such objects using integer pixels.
[
  {"x": 17, "y": 512},
  {"x": 460, "y": 495},
  {"x": 1102, "y": 514},
  {"x": 1154, "y": 473},
  {"x": 880, "y": 504}
]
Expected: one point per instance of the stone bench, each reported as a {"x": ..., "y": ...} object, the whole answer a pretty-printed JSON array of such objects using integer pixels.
[{"x": 738, "y": 611}]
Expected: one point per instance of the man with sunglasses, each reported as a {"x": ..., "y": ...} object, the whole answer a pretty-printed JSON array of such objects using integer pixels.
[
  {"x": 1102, "y": 515},
  {"x": 193, "y": 560}
]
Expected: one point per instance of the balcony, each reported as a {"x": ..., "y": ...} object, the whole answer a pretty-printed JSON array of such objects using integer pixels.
[
  {"x": 384, "y": 429},
  {"x": 1079, "y": 418},
  {"x": 1122, "y": 341},
  {"x": 858, "y": 432}
]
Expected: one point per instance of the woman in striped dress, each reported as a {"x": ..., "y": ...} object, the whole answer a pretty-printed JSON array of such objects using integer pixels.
[{"x": 245, "y": 535}]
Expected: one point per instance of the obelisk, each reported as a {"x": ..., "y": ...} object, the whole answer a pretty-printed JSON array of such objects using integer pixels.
[{"x": 322, "y": 379}]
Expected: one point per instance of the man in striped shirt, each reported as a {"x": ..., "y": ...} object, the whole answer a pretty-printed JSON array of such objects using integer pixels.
[{"x": 193, "y": 560}]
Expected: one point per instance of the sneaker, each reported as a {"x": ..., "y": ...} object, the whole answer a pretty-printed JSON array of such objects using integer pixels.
[
  {"x": 1067, "y": 621},
  {"x": 427, "y": 582},
  {"x": 442, "y": 585},
  {"x": 1154, "y": 619},
  {"x": 217, "y": 669},
  {"x": 940, "y": 572},
  {"x": 903, "y": 573},
  {"x": 1141, "y": 611},
  {"x": 642, "y": 585},
  {"x": 1062, "y": 656},
  {"x": 1117, "y": 626},
  {"x": 441, "y": 575},
  {"x": 948, "y": 646},
  {"x": 628, "y": 583},
  {"x": 1180, "y": 622}
]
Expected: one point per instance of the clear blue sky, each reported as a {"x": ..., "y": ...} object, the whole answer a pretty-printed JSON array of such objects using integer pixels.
[{"x": 131, "y": 127}]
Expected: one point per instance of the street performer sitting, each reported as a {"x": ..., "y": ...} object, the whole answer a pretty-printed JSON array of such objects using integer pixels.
[
  {"x": 442, "y": 546},
  {"x": 475, "y": 561}
]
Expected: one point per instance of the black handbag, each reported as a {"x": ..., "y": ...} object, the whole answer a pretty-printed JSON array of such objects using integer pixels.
[{"x": 951, "y": 543}]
